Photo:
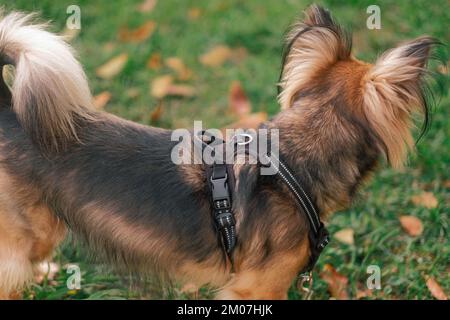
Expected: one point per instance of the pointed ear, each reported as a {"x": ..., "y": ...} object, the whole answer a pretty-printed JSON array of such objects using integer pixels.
[
  {"x": 312, "y": 45},
  {"x": 393, "y": 89}
]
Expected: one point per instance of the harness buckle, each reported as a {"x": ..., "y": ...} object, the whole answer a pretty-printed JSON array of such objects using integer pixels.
[{"x": 220, "y": 193}]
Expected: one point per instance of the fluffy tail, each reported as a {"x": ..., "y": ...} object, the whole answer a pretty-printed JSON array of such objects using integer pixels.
[{"x": 50, "y": 93}]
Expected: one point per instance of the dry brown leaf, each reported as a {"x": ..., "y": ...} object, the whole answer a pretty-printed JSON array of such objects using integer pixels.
[
  {"x": 113, "y": 67},
  {"x": 435, "y": 289},
  {"x": 181, "y": 90},
  {"x": 346, "y": 236},
  {"x": 239, "y": 54},
  {"x": 133, "y": 92},
  {"x": 155, "y": 61},
  {"x": 337, "y": 283},
  {"x": 147, "y": 5},
  {"x": 194, "y": 13},
  {"x": 425, "y": 199},
  {"x": 101, "y": 99},
  {"x": 177, "y": 65},
  {"x": 363, "y": 292},
  {"x": 250, "y": 121},
  {"x": 412, "y": 225},
  {"x": 139, "y": 34},
  {"x": 160, "y": 86},
  {"x": 157, "y": 113},
  {"x": 216, "y": 56},
  {"x": 446, "y": 184},
  {"x": 238, "y": 101}
]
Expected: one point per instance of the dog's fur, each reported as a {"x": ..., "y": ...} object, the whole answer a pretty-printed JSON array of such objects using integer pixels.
[{"x": 111, "y": 180}]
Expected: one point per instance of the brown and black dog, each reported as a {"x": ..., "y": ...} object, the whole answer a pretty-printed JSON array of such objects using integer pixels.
[{"x": 111, "y": 181}]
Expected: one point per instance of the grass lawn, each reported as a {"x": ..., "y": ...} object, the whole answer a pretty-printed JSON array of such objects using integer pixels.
[{"x": 188, "y": 29}]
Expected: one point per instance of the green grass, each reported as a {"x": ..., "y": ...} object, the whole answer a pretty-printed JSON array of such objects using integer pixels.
[{"x": 258, "y": 26}]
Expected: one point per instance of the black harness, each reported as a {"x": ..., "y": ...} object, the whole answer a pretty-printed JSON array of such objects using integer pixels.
[{"x": 221, "y": 180}]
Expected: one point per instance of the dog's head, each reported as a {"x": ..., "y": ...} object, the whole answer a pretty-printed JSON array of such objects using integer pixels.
[{"x": 319, "y": 71}]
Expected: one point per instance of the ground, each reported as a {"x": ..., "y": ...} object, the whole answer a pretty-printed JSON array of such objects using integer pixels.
[{"x": 253, "y": 30}]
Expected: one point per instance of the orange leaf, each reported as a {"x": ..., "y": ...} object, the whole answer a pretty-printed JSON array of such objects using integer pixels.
[
  {"x": 133, "y": 92},
  {"x": 113, "y": 67},
  {"x": 181, "y": 90},
  {"x": 216, "y": 56},
  {"x": 154, "y": 62},
  {"x": 435, "y": 289},
  {"x": 250, "y": 121},
  {"x": 345, "y": 236},
  {"x": 425, "y": 199},
  {"x": 160, "y": 86},
  {"x": 102, "y": 99},
  {"x": 147, "y": 5},
  {"x": 238, "y": 100},
  {"x": 337, "y": 283},
  {"x": 446, "y": 184},
  {"x": 139, "y": 34},
  {"x": 194, "y": 13},
  {"x": 412, "y": 225},
  {"x": 157, "y": 113},
  {"x": 176, "y": 64}
]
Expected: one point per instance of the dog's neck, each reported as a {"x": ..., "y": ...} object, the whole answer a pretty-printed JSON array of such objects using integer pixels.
[{"x": 332, "y": 155}]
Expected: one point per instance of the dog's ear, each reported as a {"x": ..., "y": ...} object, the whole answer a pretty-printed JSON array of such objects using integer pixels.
[
  {"x": 312, "y": 45},
  {"x": 393, "y": 89}
]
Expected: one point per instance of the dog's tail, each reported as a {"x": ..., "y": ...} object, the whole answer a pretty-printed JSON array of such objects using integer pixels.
[{"x": 50, "y": 93}]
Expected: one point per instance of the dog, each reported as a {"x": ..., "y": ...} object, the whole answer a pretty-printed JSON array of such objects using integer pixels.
[{"x": 65, "y": 165}]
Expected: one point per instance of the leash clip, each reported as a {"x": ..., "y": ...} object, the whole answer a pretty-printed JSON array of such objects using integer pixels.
[{"x": 304, "y": 284}]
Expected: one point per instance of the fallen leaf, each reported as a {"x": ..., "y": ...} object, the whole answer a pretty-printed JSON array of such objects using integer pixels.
[
  {"x": 345, "y": 236},
  {"x": 435, "y": 289},
  {"x": 139, "y": 34},
  {"x": 155, "y": 61},
  {"x": 239, "y": 54},
  {"x": 425, "y": 199},
  {"x": 337, "y": 283},
  {"x": 147, "y": 5},
  {"x": 238, "y": 101},
  {"x": 177, "y": 65},
  {"x": 363, "y": 292},
  {"x": 216, "y": 56},
  {"x": 446, "y": 184},
  {"x": 46, "y": 270},
  {"x": 156, "y": 114},
  {"x": 412, "y": 225},
  {"x": 113, "y": 67},
  {"x": 181, "y": 90},
  {"x": 160, "y": 86},
  {"x": 101, "y": 99},
  {"x": 194, "y": 13},
  {"x": 133, "y": 93},
  {"x": 250, "y": 121}
]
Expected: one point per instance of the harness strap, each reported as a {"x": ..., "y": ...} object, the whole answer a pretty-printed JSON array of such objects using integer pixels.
[{"x": 318, "y": 234}]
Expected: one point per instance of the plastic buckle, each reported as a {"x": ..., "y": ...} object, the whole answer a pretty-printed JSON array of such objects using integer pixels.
[{"x": 221, "y": 193}]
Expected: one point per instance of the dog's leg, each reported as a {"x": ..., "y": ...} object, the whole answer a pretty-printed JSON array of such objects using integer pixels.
[
  {"x": 269, "y": 281},
  {"x": 15, "y": 246}
]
